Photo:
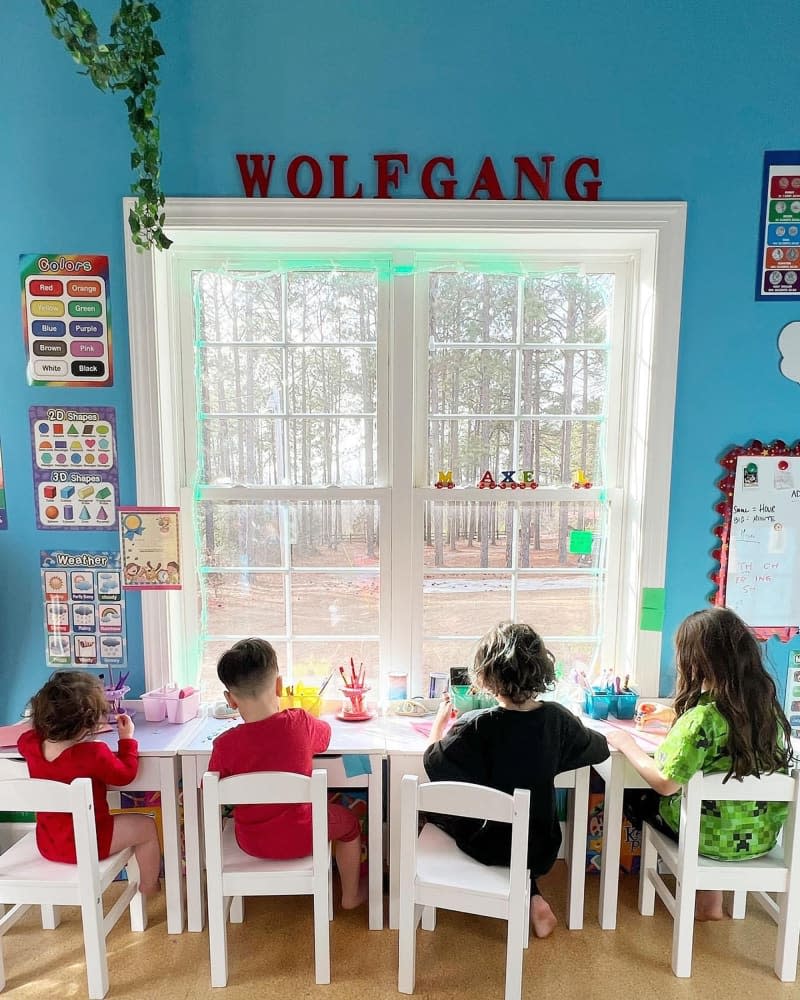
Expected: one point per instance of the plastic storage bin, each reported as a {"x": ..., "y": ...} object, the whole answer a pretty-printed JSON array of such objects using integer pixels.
[
  {"x": 464, "y": 699},
  {"x": 597, "y": 705},
  {"x": 623, "y": 705},
  {"x": 154, "y": 704},
  {"x": 180, "y": 710}
]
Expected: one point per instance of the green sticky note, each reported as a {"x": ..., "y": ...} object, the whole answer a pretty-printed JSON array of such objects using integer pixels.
[
  {"x": 652, "y": 620},
  {"x": 653, "y": 598},
  {"x": 580, "y": 542}
]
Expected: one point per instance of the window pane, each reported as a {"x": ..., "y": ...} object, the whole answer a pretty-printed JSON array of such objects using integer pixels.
[
  {"x": 460, "y": 535},
  {"x": 313, "y": 661},
  {"x": 239, "y": 533},
  {"x": 331, "y": 380},
  {"x": 560, "y": 604},
  {"x": 241, "y": 450},
  {"x": 564, "y": 382},
  {"x": 450, "y": 603},
  {"x": 332, "y": 306},
  {"x": 210, "y": 652},
  {"x": 575, "y": 655},
  {"x": 329, "y": 451},
  {"x": 324, "y": 603},
  {"x": 438, "y": 656},
  {"x": 242, "y": 604},
  {"x": 466, "y": 307},
  {"x": 237, "y": 306},
  {"x": 559, "y": 308},
  {"x": 545, "y": 532},
  {"x": 471, "y": 381},
  {"x": 469, "y": 448},
  {"x": 556, "y": 449},
  {"x": 330, "y": 533},
  {"x": 239, "y": 379}
]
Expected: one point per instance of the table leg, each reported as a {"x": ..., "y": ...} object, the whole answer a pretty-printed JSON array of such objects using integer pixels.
[
  {"x": 613, "y": 773},
  {"x": 191, "y": 837},
  {"x": 578, "y": 819},
  {"x": 172, "y": 844},
  {"x": 375, "y": 842},
  {"x": 396, "y": 770}
]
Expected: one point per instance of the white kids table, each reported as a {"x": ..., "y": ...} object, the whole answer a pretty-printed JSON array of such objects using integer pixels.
[
  {"x": 405, "y": 746},
  {"x": 158, "y": 742},
  {"x": 359, "y": 739}
]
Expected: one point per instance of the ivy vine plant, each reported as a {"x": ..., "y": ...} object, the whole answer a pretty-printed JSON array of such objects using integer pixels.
[{"x": 127, "y": 62}]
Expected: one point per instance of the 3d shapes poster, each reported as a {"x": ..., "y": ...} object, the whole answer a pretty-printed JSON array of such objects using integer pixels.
[
  {"x": 778, "y": 270},
  {"x": 150, "y": 546},
  {"x": 3, "y": 515},
  {"x": 84, "y": 608},
  {"x": 66, "y": 320},
  {"x": 75, "y": 469}
]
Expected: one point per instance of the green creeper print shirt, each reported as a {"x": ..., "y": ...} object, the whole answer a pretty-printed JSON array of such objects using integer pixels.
[{"x": 729, "y": 831}]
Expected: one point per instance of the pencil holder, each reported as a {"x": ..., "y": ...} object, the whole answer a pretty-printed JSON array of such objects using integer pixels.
[
  {"x": 155, "y": 706},
  {"x": 461, "y": 697},
  {"x": 596, "y": 705},
  {"x": 114, "y": 696},
  {"x": 182, "y": 709},
  {"x": 623, "y": 705},
  {"x": 354, "y": 704}
]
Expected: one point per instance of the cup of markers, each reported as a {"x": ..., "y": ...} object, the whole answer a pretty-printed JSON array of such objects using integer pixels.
[
  {"x": 354, "y": 691},
  {"x": 114, "y": 696}
]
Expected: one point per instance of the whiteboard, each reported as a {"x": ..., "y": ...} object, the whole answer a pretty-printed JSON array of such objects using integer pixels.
[{"x": 763, "y": 578}]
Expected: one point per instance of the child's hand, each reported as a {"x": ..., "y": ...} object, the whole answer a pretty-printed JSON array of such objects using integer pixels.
[
  {"x": 445, "y": 706},
  {"x": 618, "y": 739},
  {"x": 125, "y": 727}
]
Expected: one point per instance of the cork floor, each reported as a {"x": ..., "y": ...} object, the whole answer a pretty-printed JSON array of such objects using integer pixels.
[{"x": 270, "y": 956}]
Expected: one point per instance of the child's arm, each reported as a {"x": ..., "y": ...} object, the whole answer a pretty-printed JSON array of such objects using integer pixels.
[
  {"x": 642, "y": 763},
  {"x": 112, "y": 768},
  {"x": 443, "y": 716},
  {"x": 457, "y": 756}
]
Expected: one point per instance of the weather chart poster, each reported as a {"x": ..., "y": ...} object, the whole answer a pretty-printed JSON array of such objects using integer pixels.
[
  {"x": 84, "y": 609},
  {"x": 778, "y": 271},
  {"x": 75, "y": 467},
  {"x": 66, "y": 320}
]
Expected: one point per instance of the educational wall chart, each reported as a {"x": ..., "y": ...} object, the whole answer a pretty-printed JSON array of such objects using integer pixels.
[
  {"x": 75, "y": 468},
  {"x": 3, "y": 515},
  {"x": 150, "y": 546},
  {"x": 84, "y": 608},
  {"x": 763, "y": 564},
  {"x": 66, "y": 319},
  {"x": 791, "y": 704},
  {"x": 778, "y": 271}
]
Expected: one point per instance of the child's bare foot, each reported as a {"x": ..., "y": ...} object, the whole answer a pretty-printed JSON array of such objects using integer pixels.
[
  {"x": 708, "y": 905},
  {"x": 358, "y": 899},
  {"x": 543, "y": 920}
]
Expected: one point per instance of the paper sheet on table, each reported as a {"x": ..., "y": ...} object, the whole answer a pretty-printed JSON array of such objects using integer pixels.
[{"x": 648, "y": 739}]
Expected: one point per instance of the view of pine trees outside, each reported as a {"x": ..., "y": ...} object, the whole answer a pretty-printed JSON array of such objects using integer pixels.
[{"x": 287, "y": 397}]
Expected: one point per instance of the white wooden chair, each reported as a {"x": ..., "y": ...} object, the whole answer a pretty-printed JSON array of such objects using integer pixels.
[
  {"x": 776, "y": 872},
  {"x": 435, "y": 873},
  {"x": 27, "y": 879},
  {"x": 231, "y": 874}
]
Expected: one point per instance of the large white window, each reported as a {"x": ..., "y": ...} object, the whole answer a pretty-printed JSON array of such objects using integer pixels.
[{"x": 304, "y": 373}]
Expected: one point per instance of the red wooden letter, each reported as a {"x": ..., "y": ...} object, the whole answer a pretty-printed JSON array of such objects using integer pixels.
[
  {"x": 487, "y": 181},
  {"x": 446, "y": 187},
  {"x": 339, "y": 163},
  {"x": 527, "y": 170},
  {"x": 386, "y": 177},
  {"x": 316, "y": 177},
  {"x": 256, "y": 176},
  {"x": 591, "y": 188}
]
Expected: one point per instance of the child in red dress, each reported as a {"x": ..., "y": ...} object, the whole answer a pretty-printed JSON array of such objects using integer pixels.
[
  {"x": 275, "y": 740},
  {"x": 66, "y": 711}
]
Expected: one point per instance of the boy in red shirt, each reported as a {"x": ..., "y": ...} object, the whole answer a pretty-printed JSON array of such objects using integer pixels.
[{"x": 275, "y": 740}]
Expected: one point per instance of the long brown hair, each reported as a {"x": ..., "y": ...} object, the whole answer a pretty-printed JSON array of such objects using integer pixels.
[
  {"x": 70, "y": 704},
  {"x": 717, "y": 653},
  {"x": 512, "y": 660}
]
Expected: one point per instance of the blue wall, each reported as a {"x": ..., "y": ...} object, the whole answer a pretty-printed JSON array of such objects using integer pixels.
[{"x": 677, "y": 103}]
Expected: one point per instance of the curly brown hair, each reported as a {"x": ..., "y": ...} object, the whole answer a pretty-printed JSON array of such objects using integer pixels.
[
  {"x": 69, "y": 705},
  {"x": 512, "y": 661},
  {"x": 715, "y": 652}
]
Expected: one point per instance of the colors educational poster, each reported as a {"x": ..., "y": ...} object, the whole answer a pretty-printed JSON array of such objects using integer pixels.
[
  {"x": 75, "y": 467},
  {"x": 792, "y": 702},
  {"x": 66, "y": 320},
  {"x": 84, "y": 609},
  {"x": 3, "y": 516},
  {"x": 778, "y": 271},
  {"x": 150, "y": 546}
]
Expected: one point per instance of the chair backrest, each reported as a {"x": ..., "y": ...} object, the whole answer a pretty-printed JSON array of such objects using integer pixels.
[
  {"x": 266, "y": 788},
  {"x": 457, "y": 798},
  {"x": 21, "y": 793},
  {"x": 768, "y": 788}
]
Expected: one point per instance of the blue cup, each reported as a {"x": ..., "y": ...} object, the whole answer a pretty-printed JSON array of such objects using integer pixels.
[
  {"x": 596, "y": 705},
  {"x": 624, "y": 705}
]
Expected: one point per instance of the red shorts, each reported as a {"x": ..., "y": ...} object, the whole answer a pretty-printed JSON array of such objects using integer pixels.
[{"x": 342, "y": 823}]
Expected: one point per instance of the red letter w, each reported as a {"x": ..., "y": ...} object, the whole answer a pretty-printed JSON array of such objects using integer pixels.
[{"x": 255, "y": 176}]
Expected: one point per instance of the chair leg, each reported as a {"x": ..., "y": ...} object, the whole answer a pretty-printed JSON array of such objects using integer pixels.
[
  {"x": 51, "y": 916},
  {"x": 683, "y": 931},
  {"x": 137, "y": 907},
  {"x": 330, "y": 890},
  {"x": 217, "y": 941},
  {"x": 237, "y": 910},
  {"x": 738, "y": 904},
  {"x": 322, "y": 940},
  {"x": 94, "y": 944},
  {"x": 515, "y": 947},
  {"x": 408, "y": 917},
  {"x": 788, "y": 938},
  {"x": 647, "y": 863},
  {"x": 527, "y": 940},
  {"x": 429, "y": 918}
]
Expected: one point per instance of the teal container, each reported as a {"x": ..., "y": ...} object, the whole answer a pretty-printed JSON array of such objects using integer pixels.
[
  {"x": 623, "y": 706},
  {"x": 597, "y": 705},
  {"x": 464, "y": 699}
]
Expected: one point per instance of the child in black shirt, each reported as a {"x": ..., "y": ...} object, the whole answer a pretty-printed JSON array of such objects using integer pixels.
[{"x": 523, "y": 743}]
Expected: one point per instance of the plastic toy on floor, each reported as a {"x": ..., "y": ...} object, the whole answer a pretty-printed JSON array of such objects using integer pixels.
[{"x": 650, "y": 711}]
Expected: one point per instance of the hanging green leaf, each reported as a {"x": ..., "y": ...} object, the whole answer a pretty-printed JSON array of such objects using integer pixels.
[{"x": 128, "y": 62}]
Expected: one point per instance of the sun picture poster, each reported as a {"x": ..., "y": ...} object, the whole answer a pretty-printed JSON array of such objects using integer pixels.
[{"x": 150, "y": 547}]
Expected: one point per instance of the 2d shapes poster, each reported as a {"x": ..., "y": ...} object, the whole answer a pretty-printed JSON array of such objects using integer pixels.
[
  {"x": 75, "y": 467},
  {"x": 66, "y": 319},
  {"x": 778, "y": 269},
  {"x": 3, "y": 515},
  {"x": 84, "y": 608},
  {"x": 150, "y": 546}
]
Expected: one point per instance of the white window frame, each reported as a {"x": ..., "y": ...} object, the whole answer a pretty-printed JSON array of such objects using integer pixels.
[{"x": 649, "y": 236}]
